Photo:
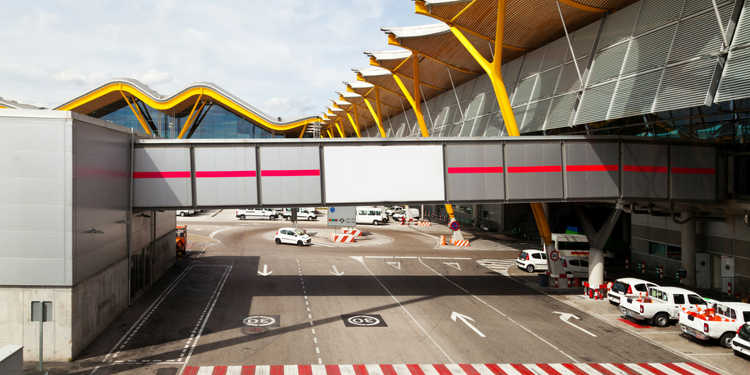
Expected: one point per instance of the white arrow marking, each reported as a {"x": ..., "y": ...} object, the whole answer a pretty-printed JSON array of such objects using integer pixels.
[
  {"x": 265, "y": 272},
  {"x": 336, "y": 271},
  {"x": 395, "y": 265},
  {"x": 466, "y": 319},
  {"x": 565, "y": 318},
  {"x": 454, "y": 265}
]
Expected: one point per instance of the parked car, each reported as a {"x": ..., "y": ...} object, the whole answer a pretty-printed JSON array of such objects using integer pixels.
[
  {"x": 719, "y": 322},
  {"x": 302, "y": 214},
  {"x": 293, "y": 236},
  {"x": 741, "y": 342},
  {"x": 628, "y": 287},
  {"x": 576, "y": 266},
  {"x": 393, "y": 209},
  {"x": 662, "y": 305},
  {"x": 414, "y": 212},
  {"x": 531, "y": 260},
  {"x": 256, "y": 213},
  {"x": 184, "y": 212}
]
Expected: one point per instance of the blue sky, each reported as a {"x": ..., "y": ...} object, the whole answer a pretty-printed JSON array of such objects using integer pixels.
[{"x": 286, "y": 57}]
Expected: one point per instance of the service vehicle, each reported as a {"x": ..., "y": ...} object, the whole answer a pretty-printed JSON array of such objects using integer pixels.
[
  {"x": 393, "y": 209},
  {"x": 628, "y": 287},
  {"x": 741, "y": 342},
  {"x": 576, "y": 245},
  {"x": 180, "y": 240},
  {"x": 184, "y": 212},
  {"x": 293, "y": 236},
  {"x": 302, "y": 214},
  {"x": 721, "y": 321},
  {"x": 576, "y": 266},
  {"x": 414, "y": 213},
  {"x": 662, "y": 304},
  {"x": 369, "y": 215},
  {"x": 531, "y": 260},
  {"x": 256, "y": 213}
]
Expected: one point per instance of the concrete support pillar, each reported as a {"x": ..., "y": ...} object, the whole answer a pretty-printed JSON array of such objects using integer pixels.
[
  {"x": 688, "y": 250},
  {"x": 596, "y": 243},
  {"x": 477, "y": 214}
]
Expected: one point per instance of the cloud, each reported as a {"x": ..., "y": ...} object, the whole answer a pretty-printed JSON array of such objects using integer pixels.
[
  {"x": 153, "y": 77},
  {"x": 77, "y": 77},
  {"x": 294, "y": 105}
]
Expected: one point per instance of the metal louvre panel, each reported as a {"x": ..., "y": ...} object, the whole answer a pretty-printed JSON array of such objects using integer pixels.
[
  {"x": 569, "y": 80},
  {"x": 595, "y": 104},
  {"x": 607, "y": 64},
  {"x": 583, "y": 40},
  {"x": 474, "y": 106},
  {"x": 699, "y": 36},
  {"x": 619, "y": 26},
  {"x": 695, "y": 6},
  {"x": 524, "y": 90},
  {"x": 556, "y": 53},
  {"x": 519, "y": 113},
  {"x": 536, "y": 114},
  {"x": 532, "y": 62},
  {"x": 482, "y": 85},
  {"x": 635, "y": 95},
  {"x": 510, "y": 71},
  {"x": 559, "y": 114},
  {"x": 685, "y": 85},
  {"x": 494, "y": 124},
  {"x": 742, "y": 33},
  {"x": 546, "y": 84},
  {"x": 655, "y": 13},
  {"x": 734, "y": 80},
  {"x": 649, "y": 51}
]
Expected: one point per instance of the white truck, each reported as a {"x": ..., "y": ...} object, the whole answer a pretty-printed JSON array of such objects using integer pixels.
[
  {"x": 302, "y": 214},
  {"x": 662, "y": 305},
  {"x": 718, "y": 322},
  {"x": 256, "y": 213}
]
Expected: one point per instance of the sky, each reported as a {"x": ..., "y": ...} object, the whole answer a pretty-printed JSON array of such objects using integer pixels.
[{"x": 285, "y": 57}]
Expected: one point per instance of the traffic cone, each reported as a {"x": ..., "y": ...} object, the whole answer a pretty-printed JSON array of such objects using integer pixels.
[{"x": 442, "y": 240}]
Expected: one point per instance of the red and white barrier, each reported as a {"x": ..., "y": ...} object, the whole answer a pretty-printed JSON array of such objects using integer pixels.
[
  {"x": 353, "y": 232},
  {"x": 556, "y": 278},
  {"x": 442, "y": 240},
  {"x": 425, "y": 224},
  {"x": 594, "y": 291},
  {"x": 461, "y": 243},
  {"x": 335, "y": 237}
]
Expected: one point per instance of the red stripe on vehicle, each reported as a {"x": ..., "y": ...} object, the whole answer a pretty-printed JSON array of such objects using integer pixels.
[
  {"x": 592, "y": 168},
  {"x": 475, "y": 170},
  {"x": 601, "y": 369},
  {"x": 304, "y": 370},
  {"x": 496, "y": 369},
  {"x": 523, "y": 370},
  {"x": 333, "y": 370},
  {"x": 360, "y": 370},
  {"x": 574, "y": 369},
  {"x": 219, "y": 370},
  {"x": 209, "y": 174},
  {"x": 388, "y": 370},
  {"x": 161, "y": 174},
  {"x": 643, "y": 168},
  {"x": 415, "y": 369},
  {"x": 652, "y": 369},
  {"x": 248, "y": 370},
  {"x": 701, "y": 368},
  {"x": 693, "y": 170},
  {"x": 537, "y": 169},
  {"x": 276, "y": 370},
  {"x": 676, "y": 368},
  {"x": 469, "y": 370},
  {"x": 290, "y": 173},
  {"x": 442, "y": 370},
  {"x": 548, "y": 369}
]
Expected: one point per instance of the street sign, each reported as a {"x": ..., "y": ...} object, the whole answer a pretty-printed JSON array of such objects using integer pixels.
[
  {"x": 454, "y": 225},
  {"x": 342, "y": 216},
  {"x": 554, "y": 255}
]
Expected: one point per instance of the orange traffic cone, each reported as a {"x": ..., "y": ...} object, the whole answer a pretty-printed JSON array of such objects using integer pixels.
[{"x": 442, "y": 240}]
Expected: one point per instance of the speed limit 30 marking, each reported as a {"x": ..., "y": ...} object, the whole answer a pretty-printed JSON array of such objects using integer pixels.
[
  {"x": 363, "y": 320},
  {"x": 262, "y": 321}
]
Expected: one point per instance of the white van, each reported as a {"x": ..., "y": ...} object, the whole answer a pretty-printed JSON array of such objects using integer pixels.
[
  {"x": 369, "y": 215},
  {"x": 576, "y": 245}
]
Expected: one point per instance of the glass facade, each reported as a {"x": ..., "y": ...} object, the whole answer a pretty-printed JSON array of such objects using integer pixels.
[{"x": 212, "y": 122}]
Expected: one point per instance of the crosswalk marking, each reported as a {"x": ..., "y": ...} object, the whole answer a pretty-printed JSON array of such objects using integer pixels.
[
  {"x": 460, "y": 369},
  {"x": 498, "y": 265}
]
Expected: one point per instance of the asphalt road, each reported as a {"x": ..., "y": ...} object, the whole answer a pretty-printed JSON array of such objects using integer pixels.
[{"x": 238, "y": 299}]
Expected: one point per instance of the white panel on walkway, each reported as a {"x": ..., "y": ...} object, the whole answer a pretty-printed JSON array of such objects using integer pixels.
[
  {"x": 226, "y": 176},
  {"x": 384, "y": 174},
  {"x": 161, "y": 177}
]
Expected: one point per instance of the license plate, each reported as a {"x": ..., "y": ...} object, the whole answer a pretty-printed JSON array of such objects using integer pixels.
[{"x": 629, "y": 313}]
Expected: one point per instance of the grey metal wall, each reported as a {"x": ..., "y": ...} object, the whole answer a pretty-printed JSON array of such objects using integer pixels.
[
  {"x": 226, "y": 176},
  {"x": 290, "y": 175},
  {"x": 475, "y": 172}
]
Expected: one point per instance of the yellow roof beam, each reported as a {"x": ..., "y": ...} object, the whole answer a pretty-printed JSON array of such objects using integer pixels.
[
  {"x": 392, "y": 40},
  {"x": 190, "y": 119},
  {"x": 137, "y": 114}
]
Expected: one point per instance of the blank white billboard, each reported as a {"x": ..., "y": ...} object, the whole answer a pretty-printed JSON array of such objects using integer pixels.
[{"x": 361, "y": 174}]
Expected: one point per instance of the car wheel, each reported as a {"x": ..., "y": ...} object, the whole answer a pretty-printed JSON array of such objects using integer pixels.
[
  {"x": 530, "y": 268},
  {"x": 299, "y": 243},
  {"x": 272, "y": 217},
  {"x": 726, "y": 339},
  {"x": 375, "y": 222},
  {"x": 309, "y": 218},
  {"x": 182, "y": 214},
  {"x": 278, "y": 241},
  {"x": 661, "y": 320},
  {"x": 242, "y": 217}
]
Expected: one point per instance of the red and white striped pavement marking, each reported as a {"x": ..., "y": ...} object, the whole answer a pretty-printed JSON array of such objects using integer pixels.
[
  {"x": 354, "y": 232},
  {"x": 461, "y": 243},
  {"x": 463, "y": 369},
  {"x": 425, "y": 224},
  {"x": 342, "y": 237}
]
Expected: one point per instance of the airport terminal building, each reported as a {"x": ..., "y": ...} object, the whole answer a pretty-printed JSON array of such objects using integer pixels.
[{"x": 653, "y": 69}]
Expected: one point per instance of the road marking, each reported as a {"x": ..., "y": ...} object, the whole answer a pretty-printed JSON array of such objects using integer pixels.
[
  {"x": 565, "y": 317},
  {"x": 336, "y": 271},
  {"x": 144, "y": 316},
  {"x": 466, "y": 319},
  {"x": 498, "y": 265},
  {"x": 362, "y": 260},
  {"x": 396, "y": 265},
  {"x": 499, "y": 312},
  {"x": 265, "y": 271},
  {"x": 204, "y": 317},
  {"x": 454, "y": 265},
  {"x": 215, "y": 232},
  {"x": 309, "y": 316}
]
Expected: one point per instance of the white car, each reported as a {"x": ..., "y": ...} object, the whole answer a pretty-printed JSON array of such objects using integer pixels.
[
  {"x": 256, "y": 213},
  {"x": 393, "y": 209},
  {"x": 302, "y": 214},
  {"x": 628, "y": 287},
  {"x": 184, "y": 213},
  {"x": 741, "y": 342},
  {"x": 293, "y": 236},
  {"x": 578, "y": 267},
  {"x": 531, "y": 260}
]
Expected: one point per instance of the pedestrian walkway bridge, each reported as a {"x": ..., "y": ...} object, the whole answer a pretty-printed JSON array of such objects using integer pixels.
[{"x": 171, "y": 174}]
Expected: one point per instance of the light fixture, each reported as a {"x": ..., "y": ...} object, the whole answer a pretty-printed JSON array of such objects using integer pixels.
[{"x": 94, "y": 231}]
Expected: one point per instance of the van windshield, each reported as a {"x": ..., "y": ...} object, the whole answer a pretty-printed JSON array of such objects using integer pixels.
[{"x": 572, "y": 245}]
